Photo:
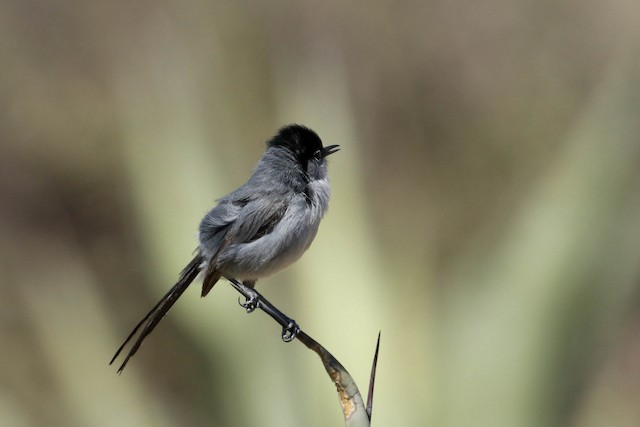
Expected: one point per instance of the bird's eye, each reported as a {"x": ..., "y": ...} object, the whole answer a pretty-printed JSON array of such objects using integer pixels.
[{"x": 317, "y": 154}]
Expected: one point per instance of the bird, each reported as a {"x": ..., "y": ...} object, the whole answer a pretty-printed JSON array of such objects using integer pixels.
[{"x": 258, "y": 229}]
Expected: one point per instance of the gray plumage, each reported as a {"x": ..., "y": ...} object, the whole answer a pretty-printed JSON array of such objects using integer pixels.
[
  {"x": 270, "y": 221},
  {"x": 260, "y": 228}
]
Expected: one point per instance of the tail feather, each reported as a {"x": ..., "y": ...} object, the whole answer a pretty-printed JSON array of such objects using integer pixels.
[
  {"x": 209, "y": 280},
  {"x": 158, "y": 311}
]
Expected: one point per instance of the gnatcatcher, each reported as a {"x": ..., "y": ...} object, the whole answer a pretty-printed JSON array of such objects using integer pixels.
[{"x": 258, "y": 229}]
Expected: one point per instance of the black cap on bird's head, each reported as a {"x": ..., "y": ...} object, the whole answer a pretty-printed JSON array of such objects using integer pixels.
[{"x": 304, "y": 143}]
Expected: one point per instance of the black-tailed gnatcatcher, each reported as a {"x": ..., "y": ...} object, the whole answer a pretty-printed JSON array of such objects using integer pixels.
[{"x": 261, "y": 227}]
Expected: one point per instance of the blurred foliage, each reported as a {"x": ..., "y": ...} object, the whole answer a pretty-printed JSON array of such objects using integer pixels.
[{"x": 485, "y": 212}]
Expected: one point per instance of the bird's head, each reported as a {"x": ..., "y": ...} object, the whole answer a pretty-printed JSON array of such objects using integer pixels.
[{"x": 303, "y": 143}]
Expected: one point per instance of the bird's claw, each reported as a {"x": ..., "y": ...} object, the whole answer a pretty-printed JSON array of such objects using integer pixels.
[
  {"x": 290, "y": 331},
  {"x": 250, "y": 304}
]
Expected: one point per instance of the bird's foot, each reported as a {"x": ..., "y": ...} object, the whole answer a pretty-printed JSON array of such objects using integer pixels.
[
  {"x": 251, "y": 301},
  {"x": 290, "y": 331}
]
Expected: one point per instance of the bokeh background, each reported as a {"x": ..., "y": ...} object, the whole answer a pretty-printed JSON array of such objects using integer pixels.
[{"x": 485, "y": 213}]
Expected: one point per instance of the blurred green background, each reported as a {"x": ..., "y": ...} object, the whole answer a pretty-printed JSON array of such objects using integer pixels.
[{"x": 485, "y": 212}]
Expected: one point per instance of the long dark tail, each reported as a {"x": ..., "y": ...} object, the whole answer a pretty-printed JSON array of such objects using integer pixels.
[{"x": 156, "y": 314}]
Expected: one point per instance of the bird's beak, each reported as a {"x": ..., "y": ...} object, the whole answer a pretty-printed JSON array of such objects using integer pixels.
[{"x": 330, "y": 149}]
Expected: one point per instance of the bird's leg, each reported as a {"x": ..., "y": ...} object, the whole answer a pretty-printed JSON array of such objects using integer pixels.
[{"x": 255, "y": 300}]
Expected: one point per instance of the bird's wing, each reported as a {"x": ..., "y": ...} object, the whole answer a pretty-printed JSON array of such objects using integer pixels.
[
  {"x": 258, "y": 218},
  {"x": 156, "y": 314},
  {"x": 252, "y": 219}
]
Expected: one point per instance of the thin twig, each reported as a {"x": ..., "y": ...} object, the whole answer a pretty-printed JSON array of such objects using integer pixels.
[{"x": 353, "y": 408}]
